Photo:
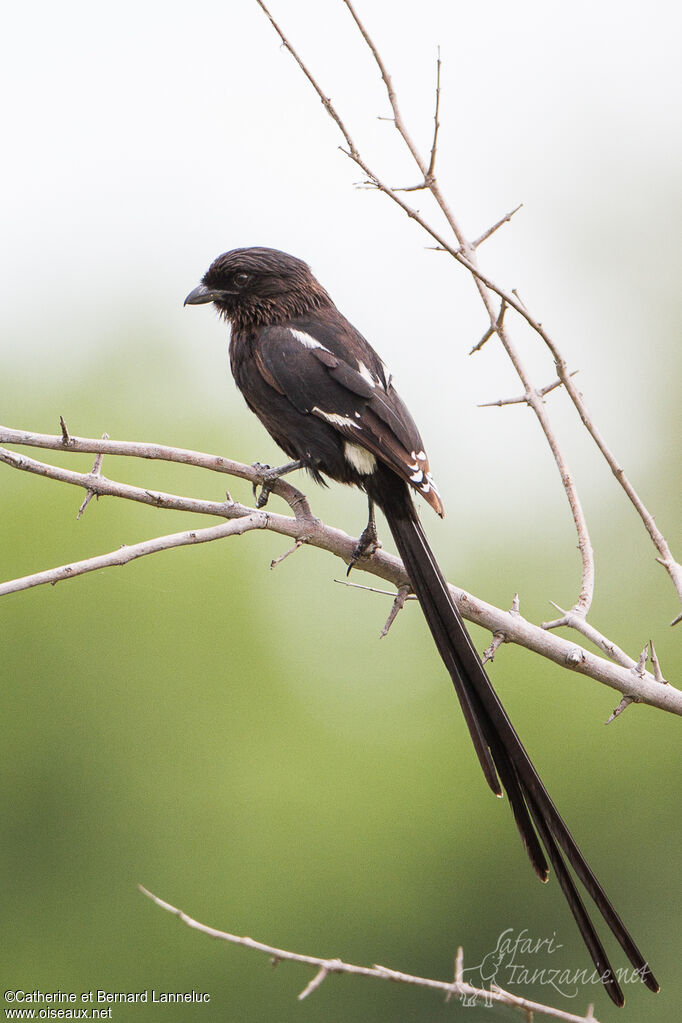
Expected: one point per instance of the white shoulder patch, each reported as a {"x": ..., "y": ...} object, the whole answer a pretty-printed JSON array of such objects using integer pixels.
[
  {"x": 360, "y": 458},
  {"x": 306, "y": 339}
]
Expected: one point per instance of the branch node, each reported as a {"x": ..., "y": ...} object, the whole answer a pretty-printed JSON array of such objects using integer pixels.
[{"x": 95, "y": 471}]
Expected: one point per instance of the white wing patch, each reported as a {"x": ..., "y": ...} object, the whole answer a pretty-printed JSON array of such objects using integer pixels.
[
  {"x": 366, "y": 374},
  {"x": 361, "y": 459},
  {"x": 306, "y": 339},
  {"x": 335, "y": 419}
]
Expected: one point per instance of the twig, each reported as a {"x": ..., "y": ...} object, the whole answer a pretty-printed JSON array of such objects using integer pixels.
[
  {"x": 521, "y": 399},
  {"x": 292, "y": 550},
  {"x": 459, "y": 987},
  {"x": 645, "y": 689},
  {"x": 436, "y": 124},
  {"x": 491, "y": 230},
  {"x": 126, "y": 554}
]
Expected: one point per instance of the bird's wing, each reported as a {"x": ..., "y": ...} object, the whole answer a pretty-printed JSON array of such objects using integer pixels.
[{"x": 330, "y": 371}]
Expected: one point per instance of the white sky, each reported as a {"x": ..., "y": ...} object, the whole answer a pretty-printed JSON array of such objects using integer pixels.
[{"x": 141, "y": 139}]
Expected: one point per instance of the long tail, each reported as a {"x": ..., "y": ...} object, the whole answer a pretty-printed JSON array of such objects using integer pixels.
[{"x": 499, "y": 749}]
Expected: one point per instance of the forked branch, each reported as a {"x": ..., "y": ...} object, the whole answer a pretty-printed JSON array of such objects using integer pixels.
[{"x": 457, "y": 988}]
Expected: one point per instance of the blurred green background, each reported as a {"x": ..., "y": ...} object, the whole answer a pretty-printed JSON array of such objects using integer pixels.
[{"x": 239, "y": 740}]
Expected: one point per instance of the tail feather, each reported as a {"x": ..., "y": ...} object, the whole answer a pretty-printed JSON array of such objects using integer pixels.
[{"x": 499, "y": 749}]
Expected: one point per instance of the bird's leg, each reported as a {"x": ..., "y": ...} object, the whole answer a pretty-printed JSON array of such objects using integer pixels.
[
  {"x": 267, "y": 477},
  {"x": 369, "y": 543}
]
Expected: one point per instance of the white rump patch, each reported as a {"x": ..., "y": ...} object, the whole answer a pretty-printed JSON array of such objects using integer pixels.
[
  {"x": 366, "y": 374},
  {"x": 361, "y": 459},
  {"x": 306, "y": 339},
  {"x": 332, "y": 417}
]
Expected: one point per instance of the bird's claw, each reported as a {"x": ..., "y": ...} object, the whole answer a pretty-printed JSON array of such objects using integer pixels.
[
  {"x": 266, "y": 479},
  {"x": 366, "y": 547}
]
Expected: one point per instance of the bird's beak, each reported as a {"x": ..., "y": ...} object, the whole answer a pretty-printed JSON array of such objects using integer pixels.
[{"x": 201, "y": 295}]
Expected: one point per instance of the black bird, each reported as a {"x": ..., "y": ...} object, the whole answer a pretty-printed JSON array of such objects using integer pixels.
[{"x": 328, "y": 401}]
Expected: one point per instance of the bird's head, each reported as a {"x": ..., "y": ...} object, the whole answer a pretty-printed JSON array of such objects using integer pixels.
[{"x": 259, "y": 285}]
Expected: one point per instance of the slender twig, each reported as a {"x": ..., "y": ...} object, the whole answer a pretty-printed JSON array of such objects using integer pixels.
[
  {"x": 304, "y": 527},
  {"x": 496, "y": 226},
  {"x": 458, "y": 988},
  {"x": 436, "y": 124}
]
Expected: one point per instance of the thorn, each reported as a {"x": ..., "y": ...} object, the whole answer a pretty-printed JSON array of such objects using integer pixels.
[
  {"x": 658, "y": 674},
  {"x": 624, "y": 703},
  {"x": 66, "y": 439},
  {"x": 398, "y": 604},
  {"x": 514, "y": 609},
  {"x": 489, "y": 653},
  {"x": 520, "y": 301},
  {"x": 675, "y": 621},
  {"x": 641, "y": 663},
  {"x": 459, "y": 966},
  {"x": 95, "y": 471}
]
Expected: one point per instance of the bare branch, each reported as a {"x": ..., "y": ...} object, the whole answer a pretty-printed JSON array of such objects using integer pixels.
[
  {"x": 303, "y": 526},
  {"x": 457, "y": 988},
  {"x": 126, "y": 554}
]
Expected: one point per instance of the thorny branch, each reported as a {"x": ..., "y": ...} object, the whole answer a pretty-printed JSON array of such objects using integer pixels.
[
  {"x": 465, "y": 253},
  {"x": 639, "y": 686},
  {"x": 457, "y": 988}
]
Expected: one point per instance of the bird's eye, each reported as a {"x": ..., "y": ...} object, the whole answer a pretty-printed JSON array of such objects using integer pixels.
[{"x": 242, "y": 279}]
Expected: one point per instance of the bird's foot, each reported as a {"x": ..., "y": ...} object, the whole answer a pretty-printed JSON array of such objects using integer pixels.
[
  {"x": 266, "y": 479},
  {"x": 368, "y": 544}
]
